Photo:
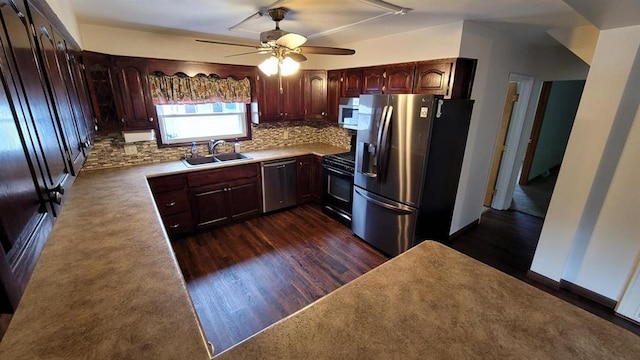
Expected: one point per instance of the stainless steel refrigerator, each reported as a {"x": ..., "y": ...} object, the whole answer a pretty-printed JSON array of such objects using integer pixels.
[{"x": 409, "y": 154}]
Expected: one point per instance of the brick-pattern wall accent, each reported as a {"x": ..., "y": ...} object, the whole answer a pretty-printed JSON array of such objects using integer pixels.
[{"x": 108, "y": 150}]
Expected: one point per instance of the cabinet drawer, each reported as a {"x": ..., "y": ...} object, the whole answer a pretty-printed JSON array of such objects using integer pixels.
[
  {"x": 167, "y": 183},
  {"x": 172, "y": 202},
  {"x": 222, "y": 175},
  {"x": 178, "y": 224}
]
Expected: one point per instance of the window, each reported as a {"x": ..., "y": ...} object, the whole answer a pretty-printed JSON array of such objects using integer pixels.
[{"x": 213, "y": 121}]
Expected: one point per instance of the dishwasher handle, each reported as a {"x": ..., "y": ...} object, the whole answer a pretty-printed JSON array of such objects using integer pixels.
[{"x": 279, "y": 164}]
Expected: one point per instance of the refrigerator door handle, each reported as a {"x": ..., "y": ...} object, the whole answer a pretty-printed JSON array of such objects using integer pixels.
[
  {"x": 376, "y": 149},
  {"x": 372, "y": 198},
  {"x": 383, "y": 149}
]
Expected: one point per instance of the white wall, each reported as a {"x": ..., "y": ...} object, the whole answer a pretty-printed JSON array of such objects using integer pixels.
[
  {"x": 118, "y": 41},
  {"x": 590, "y": 235},
  {"x": 424, "y": 44},
  {"x": 429, "y": 43},
  {"x": 65, "y": 13},
  {"x": 580, "y": 40}
]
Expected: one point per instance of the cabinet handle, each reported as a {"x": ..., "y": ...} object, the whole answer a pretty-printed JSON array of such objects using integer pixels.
[
  {"x": 122, "y": 120},
  {"x": 150, "y": 119},
  {"x": 174, "y": 226},
  {"x": 170, "y": 204},
  {"x": 56, "y": 194},
  {"x": 281, "y": 114},
  {"x": 324, "y": 113}
]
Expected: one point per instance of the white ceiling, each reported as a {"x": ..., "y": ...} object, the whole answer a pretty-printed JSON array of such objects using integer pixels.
[{"x": 327, "y": 22}]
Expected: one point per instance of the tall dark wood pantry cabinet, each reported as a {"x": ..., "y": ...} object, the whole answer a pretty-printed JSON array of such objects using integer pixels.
[{"x": 43, "y": 140}]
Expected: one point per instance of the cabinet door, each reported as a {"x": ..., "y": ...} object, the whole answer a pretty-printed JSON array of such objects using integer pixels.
[
  {"x": 102, "y": 83},
  {"x": 269, "y": 99},
  {"x": 22, "y": 66},
  {"x": 399, "y": 79},
  {"x": 304, "y": 186},
  {"x": 55, "y": 71},
  {"x": 333, "y": 94},
  {"x": 352, "y": 83},
  {"x": 138, "y": 111},
  {"x": 29, "y": 141},
  {"x": 316, "y": 178},
  {"x": 83, "y": 99},
  {"x": 209, "y": 205},
  {"x": 373, "y": 80},
  {"x": 243, "y": 198},
  {"x": 432, "y": 77},
  {"x": 293, "y": 97},
  {"x": 315, "y": 95}
]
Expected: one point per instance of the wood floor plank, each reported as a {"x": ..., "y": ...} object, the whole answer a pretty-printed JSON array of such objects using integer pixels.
[{"x": 247, "y": 276}]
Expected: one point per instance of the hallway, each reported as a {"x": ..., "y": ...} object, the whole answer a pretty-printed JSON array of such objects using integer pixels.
[{"x": 534, "y": 198}]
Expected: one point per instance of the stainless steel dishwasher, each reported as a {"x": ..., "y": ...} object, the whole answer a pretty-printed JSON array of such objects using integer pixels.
[{"x": 278, "y": 184}]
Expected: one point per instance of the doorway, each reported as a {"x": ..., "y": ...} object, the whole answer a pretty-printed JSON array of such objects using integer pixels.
[
  {"x": 552, "y": 124},
  {"x": 505, "y": 166}
]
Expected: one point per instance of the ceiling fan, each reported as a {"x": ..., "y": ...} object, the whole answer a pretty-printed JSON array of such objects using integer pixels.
[{"x": 286, "y": 48}]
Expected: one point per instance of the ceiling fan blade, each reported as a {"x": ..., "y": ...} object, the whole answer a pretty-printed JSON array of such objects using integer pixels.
[
  {"x": 227, "y": 43},
  {"x": 322, "y": 50},
  {"x": 296, "y": 56},
  {"x": 291, "y": 40},
  {"x": 251, "y": 52}
]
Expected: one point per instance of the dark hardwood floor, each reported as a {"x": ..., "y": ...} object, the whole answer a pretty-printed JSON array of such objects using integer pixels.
[
  {"x": 245, "y": 277},
  {"x": 507, "y": 240}
]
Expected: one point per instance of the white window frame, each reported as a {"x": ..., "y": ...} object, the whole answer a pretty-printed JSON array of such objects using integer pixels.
[{"x": 185, "y": 141}]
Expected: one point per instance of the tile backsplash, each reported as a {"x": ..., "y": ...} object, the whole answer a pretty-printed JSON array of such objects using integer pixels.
[{"x": 109, "y": 149}]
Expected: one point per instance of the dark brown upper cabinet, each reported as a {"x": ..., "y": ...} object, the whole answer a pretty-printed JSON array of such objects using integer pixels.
[
  {"x": 60, "y": 87},
  {"x": 351, "y": 82},
  {"x": 102, "y": 82},
  {"x": 373, "y": 80},
  {"x": 388, "y": 79},
  {"x": 136, "y": 107},
  {"x": 274, "y": 106},
  {"x": 399, "y": 79},
  {"x": 452, "y": 78},
  {"x": 334, "y": 78},
  {"x": 40, "y": 138},
  {"x": 315, "y": 95}
]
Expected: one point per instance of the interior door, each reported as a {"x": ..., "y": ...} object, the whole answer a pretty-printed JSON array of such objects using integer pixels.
[{"x": 501, "y": 141}]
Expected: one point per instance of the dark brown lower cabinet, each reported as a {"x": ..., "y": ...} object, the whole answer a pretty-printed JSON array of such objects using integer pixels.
[
  {"x": 224, "y": 195},
  {"x": 309, "y": 175},
  {"x": 170, "y": 195}
]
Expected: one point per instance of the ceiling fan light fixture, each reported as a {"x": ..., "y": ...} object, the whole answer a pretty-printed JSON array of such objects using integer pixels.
[
  {"x": 269, "y": 66},
  {"x": 288, "y": 66}
]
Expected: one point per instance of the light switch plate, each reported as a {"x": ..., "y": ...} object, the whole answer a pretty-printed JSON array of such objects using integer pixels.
[{"x": 130, "y": 149}]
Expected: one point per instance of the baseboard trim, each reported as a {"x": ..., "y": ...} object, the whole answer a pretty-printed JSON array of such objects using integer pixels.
[
  {"x": 573, "y": 288},
  {"x": 465, "y": 229},
  {"x": 543, "y": 280},
  {"x": 588, "y": 294}
]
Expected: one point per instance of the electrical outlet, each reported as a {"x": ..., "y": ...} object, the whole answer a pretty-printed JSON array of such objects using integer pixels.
[
  {"x": 130, "y": 149},
  {"x": 286, "y": 135}
]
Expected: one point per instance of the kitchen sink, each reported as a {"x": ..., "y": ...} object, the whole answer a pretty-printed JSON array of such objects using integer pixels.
[
  {"x": 206, "y": 160},
  {"x": 231, "y": 156}
]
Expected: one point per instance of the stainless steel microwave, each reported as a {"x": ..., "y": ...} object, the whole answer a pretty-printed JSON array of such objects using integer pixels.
[{"x": 348, "y": 112}]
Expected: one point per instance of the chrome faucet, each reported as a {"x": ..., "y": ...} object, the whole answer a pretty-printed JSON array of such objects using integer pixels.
[{"x": 213, "y": 146}]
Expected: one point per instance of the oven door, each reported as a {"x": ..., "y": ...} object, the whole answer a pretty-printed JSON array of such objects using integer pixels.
[{"x": 337, "y": 193}]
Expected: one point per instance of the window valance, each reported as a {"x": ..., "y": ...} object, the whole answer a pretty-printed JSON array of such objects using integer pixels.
[{"x": 199, "y": 89}]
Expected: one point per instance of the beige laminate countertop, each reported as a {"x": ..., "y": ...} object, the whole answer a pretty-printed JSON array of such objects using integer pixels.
[
  {"x": 107, "y": 284},
  {"x": 435, "y": 303}
]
